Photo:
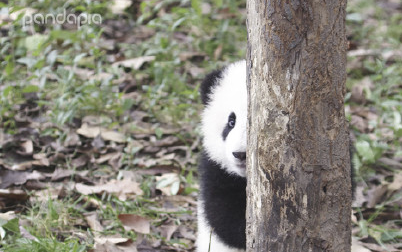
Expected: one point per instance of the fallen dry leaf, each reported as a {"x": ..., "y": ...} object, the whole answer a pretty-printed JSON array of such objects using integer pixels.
[
  {"x": 114, "y": 136},
  {"x": 8, "y": 178},
  {"x": 119, "y": 6},
  {"x": 379, "y": 248},
  {"x": 357, "y": 246},
  {"x": 160, "y": 169},
  {"x": 135, "y": 63},
  {"x": 82, "y": 73},
  {"x": 35, "y": 175},
  {"x": 108, "y": 44},
  {"x": 390, "y": 162},
  {"x": 88, "y": 131},
  {"x": 187, "y": 233},
  {"x": 80, "y": 161},
  {"x": 22, "y": 166},
  {"x": 15, "y": 194},
  {"x": 359, "y": 123},
  {"x": 107, "y": 157},
  {"x": 363, "y": 52},
  {"x": 181, "y": 199},
  {"x": 135, "y": 222},
  {"x": 168, "y": 183},
  {"x": 25, "y": 165},
  {"x": 98, "y": 143},
  {"x": 128, "y": 246},
  {"x": 364, "y": 112},
  {"x": 25, "y": 234},
  {"x": 116, "y": 161},
  {"x": 108, "y": 135},
  {"x": 26, "y": 148},
  {"x": 94, "y": 120},
  {"x": 218, "y": 52},
  {"x": 112, "y": 239},
  {"x": 46, "y": 194},
  {"x": 360, "y": 90},
  {"x": 397, "y": 183},
  {"x": 375, "y": 195},
  {"x": 25, "y": 11},
  {"x": 168, "y": 230},
  {"x": 122, "y": 188},
  {"x": 110, "y": 244},
  {"x": 60, "y": 173},
  {"x": 2, "y": 137},
  {"x": 93, "y": 223},
  {"x": 72, "y": 139},
  {"x": 185, "y": 56},
  {"x": 42, "y": 158},
  {"x": 8, "y": 215},
  {"x": 167, "y": 141}
]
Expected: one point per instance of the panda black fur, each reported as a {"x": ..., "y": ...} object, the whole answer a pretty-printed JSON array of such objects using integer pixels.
[{"x": 222, "y": 169}]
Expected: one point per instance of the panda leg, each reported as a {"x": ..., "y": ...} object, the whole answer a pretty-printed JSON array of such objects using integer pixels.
[{"x": 205, "y": 238}]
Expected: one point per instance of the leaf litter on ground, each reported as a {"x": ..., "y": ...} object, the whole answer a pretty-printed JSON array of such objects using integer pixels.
[{"x": 126, "y": 174}]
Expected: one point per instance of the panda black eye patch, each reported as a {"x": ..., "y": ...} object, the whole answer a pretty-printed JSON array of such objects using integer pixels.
[{"x": 229, "y": 126}]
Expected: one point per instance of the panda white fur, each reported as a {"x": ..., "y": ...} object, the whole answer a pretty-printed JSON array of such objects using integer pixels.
[{"x": 222, "y": 169}]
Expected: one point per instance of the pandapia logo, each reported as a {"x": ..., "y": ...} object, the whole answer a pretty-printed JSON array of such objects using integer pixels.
[{"x": 61, "y": 18}]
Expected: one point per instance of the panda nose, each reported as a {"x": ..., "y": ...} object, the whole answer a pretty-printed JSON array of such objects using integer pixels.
[{"x": 240, "y": 155}]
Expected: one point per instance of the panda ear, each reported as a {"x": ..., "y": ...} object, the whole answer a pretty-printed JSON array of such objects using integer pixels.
[{"x": 211, "y": 80}]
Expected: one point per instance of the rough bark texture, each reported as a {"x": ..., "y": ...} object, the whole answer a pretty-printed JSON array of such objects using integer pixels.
[{"x": 299, "y": 188}]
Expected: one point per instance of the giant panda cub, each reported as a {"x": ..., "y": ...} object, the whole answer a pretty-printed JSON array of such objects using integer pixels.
[{"x": 222, "y": 169}]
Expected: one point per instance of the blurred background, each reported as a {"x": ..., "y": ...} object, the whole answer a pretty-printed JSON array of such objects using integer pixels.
[{"x": 99, "y": 120}]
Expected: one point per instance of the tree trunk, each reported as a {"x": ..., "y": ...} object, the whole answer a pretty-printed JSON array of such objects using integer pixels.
[{"x": 299, "y": 187}]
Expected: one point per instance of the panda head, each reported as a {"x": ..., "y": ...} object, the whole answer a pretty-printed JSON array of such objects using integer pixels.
[{"x": 224, "y": 118}]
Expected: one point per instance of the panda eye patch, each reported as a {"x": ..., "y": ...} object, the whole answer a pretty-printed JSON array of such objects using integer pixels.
[
  {"x": 229, "y": 126},
  {"x": 232, "y": 120}
]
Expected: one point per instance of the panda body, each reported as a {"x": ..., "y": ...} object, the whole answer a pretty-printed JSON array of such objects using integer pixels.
[{"x": 222, "y": 168}]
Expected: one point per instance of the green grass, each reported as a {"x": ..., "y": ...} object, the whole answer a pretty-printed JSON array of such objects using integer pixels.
[
  {"x": 374, "y": 28},
  {"x": 46, "y": 223},
  {"x": 60, "y": 66}
]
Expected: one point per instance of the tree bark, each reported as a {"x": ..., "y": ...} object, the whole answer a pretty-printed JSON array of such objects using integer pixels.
[{"x": 299, "y": 185}]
